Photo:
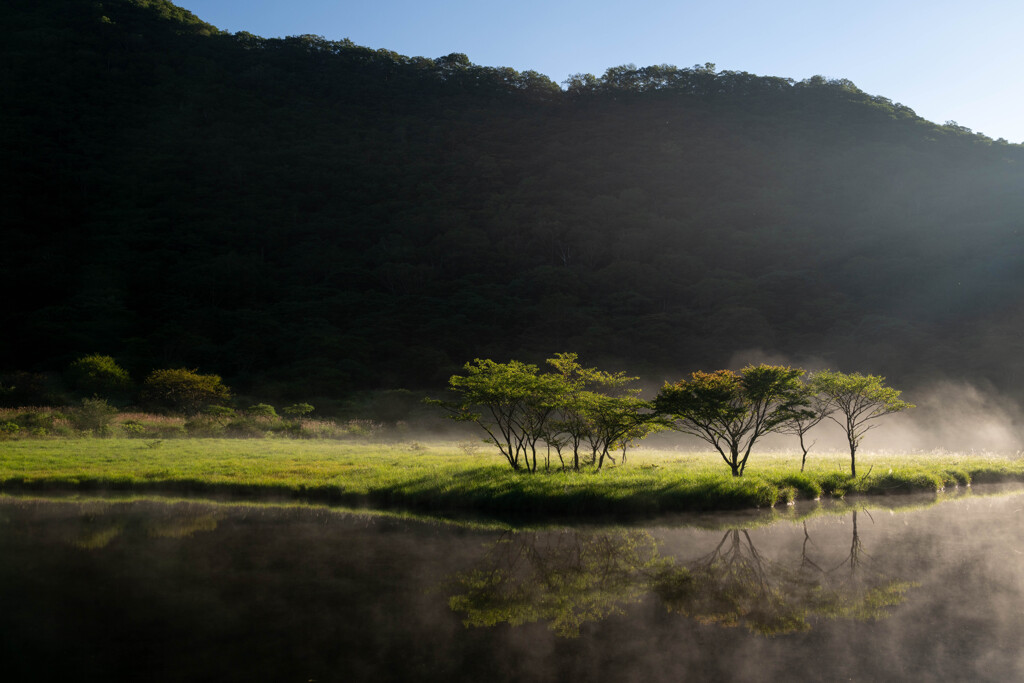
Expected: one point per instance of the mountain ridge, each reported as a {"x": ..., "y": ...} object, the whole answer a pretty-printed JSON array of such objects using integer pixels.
[{"x": 309, "y": 217}]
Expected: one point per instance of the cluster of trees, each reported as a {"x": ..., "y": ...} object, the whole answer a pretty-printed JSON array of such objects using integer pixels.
[
  {"x": 574, "y": 409},
  {"x": 97, "y": 376},
  {"x": 312, "y": 217},
  {"x": 584, "y": 413}
]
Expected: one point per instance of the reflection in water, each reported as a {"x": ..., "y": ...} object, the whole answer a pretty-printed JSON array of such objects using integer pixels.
[
  {"x": 96, "y": 527},
  {"x": 572, "y": 577},
  {"x": 188, "y": 591},
  {"x": 565, "y": 578}
]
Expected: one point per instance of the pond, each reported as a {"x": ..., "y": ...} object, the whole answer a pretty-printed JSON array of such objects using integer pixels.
[{"x": 188, "y": 591}]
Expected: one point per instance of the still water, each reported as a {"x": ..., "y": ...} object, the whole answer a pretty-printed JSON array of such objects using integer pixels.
[{"x": 189, "y": 591}]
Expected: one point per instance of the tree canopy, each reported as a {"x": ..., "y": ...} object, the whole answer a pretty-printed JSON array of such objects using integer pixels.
[
  {"x": 518, "y": 407},
  {"x": 858, "y": 400},
  {"x": 183, "y": 390},
  {"x": 731, "y": 411}
]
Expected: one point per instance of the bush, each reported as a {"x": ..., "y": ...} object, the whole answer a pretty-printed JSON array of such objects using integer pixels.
[
  {"x": 262, "y": 410},
  {"x": 28, "y": 389},
  {"x": 363, "y": 428},
  {"x": 170, "y": 432},
  {"x": 184, "y": 391},
  {"x": 222, "y": 412},
  {"x": 313, "y": 429},
  {"x": 244, "y": 428},
  {"x": 38, "y": 423},
  {"x": 94, "y": 415},
  {"x": 9, "y": 430},
  {"x": 203, "y": 426},
  {"x": 100, "y": 376},
  {"x": 133, "y": 429},
  {"x": 298, "y": 410}
]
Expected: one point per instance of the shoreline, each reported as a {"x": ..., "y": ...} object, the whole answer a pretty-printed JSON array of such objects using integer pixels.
[{"x": 438, "y": 480}]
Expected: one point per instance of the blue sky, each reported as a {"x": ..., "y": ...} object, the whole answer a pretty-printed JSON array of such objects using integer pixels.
[{"x": 946, "y": 60}]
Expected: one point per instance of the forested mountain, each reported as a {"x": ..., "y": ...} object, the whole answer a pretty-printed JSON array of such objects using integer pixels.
[{"x": 309, "y": 217}]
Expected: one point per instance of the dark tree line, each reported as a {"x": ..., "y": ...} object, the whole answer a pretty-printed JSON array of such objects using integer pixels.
[{"x": 310, "y": 217}]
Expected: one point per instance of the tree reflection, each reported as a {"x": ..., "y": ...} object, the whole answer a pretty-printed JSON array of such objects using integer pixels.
[
  {"x": 565, "y": 579},
  {"x": 736, "y": 585},
  {"x": 97, "y": 527},
  {"x": 570, "y": 578}
]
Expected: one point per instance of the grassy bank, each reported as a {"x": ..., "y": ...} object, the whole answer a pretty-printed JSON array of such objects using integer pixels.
[{"x": 441, "y": 477}]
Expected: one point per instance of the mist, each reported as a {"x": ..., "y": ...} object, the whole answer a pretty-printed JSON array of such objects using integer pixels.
[{"x": 950, "y": 416}]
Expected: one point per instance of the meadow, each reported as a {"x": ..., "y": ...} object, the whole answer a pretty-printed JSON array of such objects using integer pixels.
[{"x": 462, "y": 477}]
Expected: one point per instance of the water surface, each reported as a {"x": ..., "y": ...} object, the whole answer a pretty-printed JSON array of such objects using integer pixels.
[{"x": 160, "y": 591}]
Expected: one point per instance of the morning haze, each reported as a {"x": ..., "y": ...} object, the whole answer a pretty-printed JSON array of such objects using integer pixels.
[{"x": 325, "y": 359}]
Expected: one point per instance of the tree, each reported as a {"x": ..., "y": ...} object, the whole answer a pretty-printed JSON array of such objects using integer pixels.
[
  {"x": 598, "y": 408},
  {"x": 858, "y": 400},
  {"x": 816, "y": 409},
  {"x": 569, "y": 424},
  {"x": 612, "y": 419},
  {"x": 184, "y": 391},
  {"x": 519, "y": 407},
  {"x": 101, "y": 376},
  {"x": 731, "y": 411},
  {"x": 510, "y": 401}
]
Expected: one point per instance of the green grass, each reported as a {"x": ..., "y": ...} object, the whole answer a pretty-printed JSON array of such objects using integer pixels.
[{"x": 441, "y": 478}]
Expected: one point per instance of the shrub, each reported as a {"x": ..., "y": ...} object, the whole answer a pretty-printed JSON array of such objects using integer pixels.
[
  {"x": 171, "y": 431},
  {"x": 9, "y": 429},
  {"x": 94, "y": 415},
  {"x": 133, "y": 429},
  {"x": 184, "y": 391},
  {"x": 27, "y": 389},
  {"x": 222, "y": 412},
  {"x": 298, "y": 410},
  {"x": 204, "y": 426},
  {"x": 101, "y": 376},
  {"x": 244, "y": 428},
  {"x": 38, "y": 422},
  {"x": 262, "y": 410},
  {"x": 363, "y": 428},
  {"x": 314, "y": 429}
]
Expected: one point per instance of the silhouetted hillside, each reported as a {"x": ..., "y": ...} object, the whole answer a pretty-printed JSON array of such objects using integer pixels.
[{"x": 308, "y": 217}]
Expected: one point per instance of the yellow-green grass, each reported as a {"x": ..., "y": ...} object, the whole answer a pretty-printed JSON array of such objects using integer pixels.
[{"x": 441, "y": 477}]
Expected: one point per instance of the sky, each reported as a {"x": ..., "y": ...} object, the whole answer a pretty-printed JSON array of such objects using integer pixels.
[{"x": 948, "y": 61}]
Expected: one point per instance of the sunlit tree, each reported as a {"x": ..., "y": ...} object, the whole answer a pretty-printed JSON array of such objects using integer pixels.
[
  {"x": 817, "y": 406},
  {"x": 510, "y": 401},
  {"x": 858, "y": 400},
  {"x": 731, "y": 411}
]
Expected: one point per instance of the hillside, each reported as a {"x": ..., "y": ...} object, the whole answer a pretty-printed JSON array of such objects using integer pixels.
[{"x": 309, "y": 217}]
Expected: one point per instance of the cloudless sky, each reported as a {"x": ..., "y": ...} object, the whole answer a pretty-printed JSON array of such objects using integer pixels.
[{"x": 946, "y": 60}]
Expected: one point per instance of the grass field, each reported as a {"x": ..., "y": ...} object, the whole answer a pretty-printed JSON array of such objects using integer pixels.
[{"x": 441, "y": 477}]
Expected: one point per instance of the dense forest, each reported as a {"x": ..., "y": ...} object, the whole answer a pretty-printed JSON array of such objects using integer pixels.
[{"x": 309, "y": 217}]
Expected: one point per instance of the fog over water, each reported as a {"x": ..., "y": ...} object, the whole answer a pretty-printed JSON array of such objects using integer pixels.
[{"x": 193, "y": 591}]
